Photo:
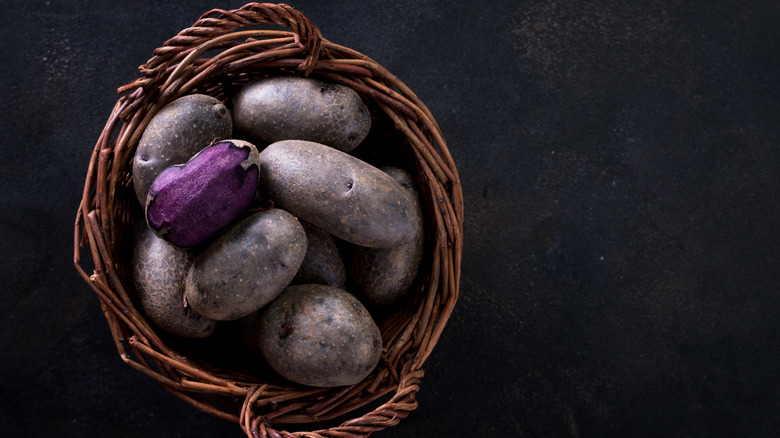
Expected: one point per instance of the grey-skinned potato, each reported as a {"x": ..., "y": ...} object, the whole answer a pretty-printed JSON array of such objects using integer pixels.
[
  {"x": 343, "y": 195},
  {"x": 381, "y": 276},
  {"x": 319, "y": 335},
  {"x": 293, "y": 107},
  {"x": 247, "y": 266},
  {"x": 323, "y": 263},
  {"x": 175, "y": 134},
  {"x": 159, "y": 272}
]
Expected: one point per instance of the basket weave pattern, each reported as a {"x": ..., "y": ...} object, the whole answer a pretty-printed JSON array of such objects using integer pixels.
[{"x": 214, "y": 56}]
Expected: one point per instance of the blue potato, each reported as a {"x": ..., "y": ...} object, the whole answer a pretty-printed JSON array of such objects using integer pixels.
[
  {"x": 159, "y": 272},
  {"x": 381, "y": 276},
  {"x": 177, "y": 132},
  {"x": 292, "y": 107},
  {"x": 345, "y": 196},
  {"x": 247, "y": 266},
  {"x": 323, "y": 263},
  {"x": 319, "y": 335}
]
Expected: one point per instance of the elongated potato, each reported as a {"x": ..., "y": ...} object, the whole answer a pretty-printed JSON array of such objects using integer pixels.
[
  {"x": 383, "y": 275},
  {"x": 337, "y": 192},
  {"x": 159, "y": 271},
  {"x": 247, "y": 266},
  {"x": 293, "y": 107},
  {"x": 176, "y": 133}
]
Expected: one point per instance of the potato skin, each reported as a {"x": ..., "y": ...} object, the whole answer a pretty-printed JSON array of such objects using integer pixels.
[
  {"x": 247, "y": 266},
  {"x": 292, "y": 107},
  {"x": 159, "y": 271},
  {"x": 337, "y": 192},
  {"x": 381, "y": 276},
  {"x": 319, "y": 335},
  {"x": 176, "y": 133},
  {"x": 323, "y": 263}
]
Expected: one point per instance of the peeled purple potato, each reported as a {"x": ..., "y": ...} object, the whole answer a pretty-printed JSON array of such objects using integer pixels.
[{"x": 191, "y": 202}]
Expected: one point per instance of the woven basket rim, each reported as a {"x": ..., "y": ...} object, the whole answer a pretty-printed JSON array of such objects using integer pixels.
[{"x": 210, "y": 57}]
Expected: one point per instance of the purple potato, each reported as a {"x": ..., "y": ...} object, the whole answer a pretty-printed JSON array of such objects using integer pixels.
[
  {"x": 383, "y": 275},
  {"x": 176, "y": 133},
  {"x": 319, "y": 335},
  {"x": 159, "y": 271},
  {"x": 247, "y": 266},
  {"x": 322, "y": 264},
  {"x": 292, "y": 107},
  {"x": 337, "y": 192},
  {"x": 191, "y": 202}
]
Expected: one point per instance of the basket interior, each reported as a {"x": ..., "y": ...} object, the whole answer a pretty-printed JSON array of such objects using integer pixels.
[{"x": 215, "y": 375}]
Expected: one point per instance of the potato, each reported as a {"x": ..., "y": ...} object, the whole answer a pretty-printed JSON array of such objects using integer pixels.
[
  {"x": 176, "y": 133},
  {"x": 247, "y": 266},
  {"x": 337, "y": 192},
  {"x": 381, "y": 276},
  {"x": 188, "y": 203},
  {"x": 159, "y": 270},
  {"x": 319, "y": 335},
  {"x": 292, "y": 107},
  {"x": 322, "y": 264}
]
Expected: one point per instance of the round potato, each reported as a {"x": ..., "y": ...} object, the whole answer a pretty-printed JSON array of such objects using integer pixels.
[
  {"x": 383, "y": 275},
  {"x": 292, "y": 107},
  {"x": 247, "y": 266},
  {"x": 319, "y": 335},
  {"x": 177, "y": 132},
  {"x": 159, "y": 271},
  {"x": 337, "y": 192},
  {"x": 322, "y": 264}
]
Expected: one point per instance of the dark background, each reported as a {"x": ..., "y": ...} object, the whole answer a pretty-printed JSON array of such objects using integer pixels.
[{"x": 620, "y": 164}]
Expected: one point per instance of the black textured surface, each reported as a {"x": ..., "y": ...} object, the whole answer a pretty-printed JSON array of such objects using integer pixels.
[{"x": 621, "y": 168}]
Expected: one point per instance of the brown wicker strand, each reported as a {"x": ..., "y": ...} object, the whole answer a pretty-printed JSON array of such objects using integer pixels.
[
  {"x": 217, "y": 22},
  {"x": 382, "y": 417}
]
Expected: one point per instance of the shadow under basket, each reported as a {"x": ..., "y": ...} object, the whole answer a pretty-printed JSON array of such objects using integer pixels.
[{"x": 217, "y": 55}]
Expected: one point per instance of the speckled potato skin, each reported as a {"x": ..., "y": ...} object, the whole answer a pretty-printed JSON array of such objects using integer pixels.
[
  {"x": 247, "y": 266},
  {"x": 323, "y": 263},
  {"x": 337, "y": 192},
  {"x": 159, "y": 271},
  {"x": 175, "y": 134},
  {"x": 293, "y": 107},
  {"x": 381, "y": 276},
  {"x": 319, "y": 335}
]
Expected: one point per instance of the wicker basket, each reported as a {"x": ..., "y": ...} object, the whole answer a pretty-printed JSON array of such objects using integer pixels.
[{"x": 215, "y": 57}]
